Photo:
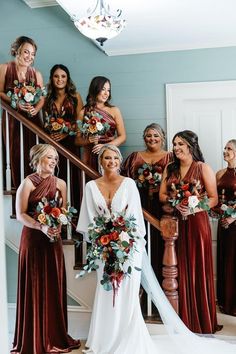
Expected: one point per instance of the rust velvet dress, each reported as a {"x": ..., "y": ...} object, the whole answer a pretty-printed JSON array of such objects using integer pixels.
[
  {"x": 197, "y": 306},
  {"x": 226, "y": 250},
  {"x": 14, "y": 127},
  {"x": 103, "y": 139},
  {"x": 149, "y": 202},
  {"x": 41, "y": 320}
]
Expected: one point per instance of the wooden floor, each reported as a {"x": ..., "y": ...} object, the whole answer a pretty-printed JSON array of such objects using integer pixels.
[{"x": 229, "y": 329}]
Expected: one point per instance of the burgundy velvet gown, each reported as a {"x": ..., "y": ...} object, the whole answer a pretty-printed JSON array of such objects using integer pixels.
[
  {"x": 68, "y": 113},
  {"x": 150, "y": 203},
  {"x": 103, "y": 139},
  {"x": 197, "y": 306},
  {"x": 14, "y": 127},
  {"x": 41, "y": 320},
  {"x": 226, "y": 250}
]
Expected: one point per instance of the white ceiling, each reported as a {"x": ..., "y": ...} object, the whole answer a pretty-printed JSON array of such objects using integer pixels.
[{"x": 168, "y": 25}]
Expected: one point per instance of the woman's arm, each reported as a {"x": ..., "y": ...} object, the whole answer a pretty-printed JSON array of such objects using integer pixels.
[
  {"x": 163, "y": 194},
  {"x": 61, "y": 185},
  {"x": 79, "y": 105},
  {"x": 3, "y": 69},
  {"x": 210, "y": 184},
  {"x": 22, "y": 200},
  {"x": 120, "y": 130}
]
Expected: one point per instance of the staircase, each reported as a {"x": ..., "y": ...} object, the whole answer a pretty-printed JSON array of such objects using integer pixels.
[{"x": 80, "y": 290}]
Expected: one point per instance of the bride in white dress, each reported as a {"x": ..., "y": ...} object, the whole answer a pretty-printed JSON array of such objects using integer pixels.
[{"x": 120, "y": 329}]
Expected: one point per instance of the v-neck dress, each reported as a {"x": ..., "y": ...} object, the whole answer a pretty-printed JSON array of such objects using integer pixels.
[
  {"x": 111, "y": 327},
  {"x": 197, "y": 306}
]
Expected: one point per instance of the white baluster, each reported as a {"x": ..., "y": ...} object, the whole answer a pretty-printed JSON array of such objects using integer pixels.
[
  {"x": 22, "y": 160},
  {"x": 69, "y": 228},
  {"x": 8, "y": 164},
  {"x": 149, "y": 246}
]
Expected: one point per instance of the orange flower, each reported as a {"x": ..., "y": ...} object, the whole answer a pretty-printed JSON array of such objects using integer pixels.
[
  {"x": 105, "y": 239},
  {"x": 60, "y": 120},
  {"x": 42, "y": 219},
  {"x": 92, "y": 129},
  {"x": 185, "y": 187},
  {"x": 55, "y": 212},
  {"x": 187, "y": 194}
]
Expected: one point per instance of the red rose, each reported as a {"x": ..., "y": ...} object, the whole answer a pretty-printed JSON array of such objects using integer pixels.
[
  {"x": 185, "y": 187},
  {"x": 105, "y": 239},
  {"x": 114, "y": 236},
  {"x": 55, "y": 212},
  {"x": 185, "y": 201},
  {"x": 93, "y": 121},
  {"x": 187, "y": 194},
  {"x": 146, "y": 172},
  {"x": 151, "y": 181},
  {"x": 158, "y": 169},
  {"x": 47, "y": 209}
]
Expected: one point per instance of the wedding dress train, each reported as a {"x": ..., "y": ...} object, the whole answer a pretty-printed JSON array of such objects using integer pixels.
[{"x": 120, "y": 329}]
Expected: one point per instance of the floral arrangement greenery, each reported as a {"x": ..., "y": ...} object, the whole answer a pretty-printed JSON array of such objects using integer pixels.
[
  {"x": 54, "y": 124},
  {"x": 149, "y": 177},
  {"x": 93, "y": 124},
  {"x": 25, "y": 93},
  {"x": 112, "y": 241},
  {"x": 188, "y": 194},
  {"x": 49, "y": 212}
]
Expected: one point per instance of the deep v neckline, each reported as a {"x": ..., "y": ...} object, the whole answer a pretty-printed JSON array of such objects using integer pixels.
[{"x": 114, "y": 195}]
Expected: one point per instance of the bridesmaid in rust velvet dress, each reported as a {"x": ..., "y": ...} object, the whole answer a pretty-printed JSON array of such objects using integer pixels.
[
  {"x": 23, "y": 49},
  {"x": 41, "y": 319},
  {"x": 64, "y": 102},
  {"x": 226, "y": 242},
  {"x": 197, "y": 306},
  {"x": 136, "y": 167},
  {"x": 98, "y": 101}
]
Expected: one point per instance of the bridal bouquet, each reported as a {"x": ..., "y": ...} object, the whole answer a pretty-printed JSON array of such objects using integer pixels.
[
  {"x": 25, "y": 93},
  {"x": 93, "y": 124},
  {"x": 54, "y": 124},
  {"x": 188, "y": 194},
  {"x": 112, "y": 241},
  {"x": 49, "y": 212},
  {"x": 149, "y": 177}
]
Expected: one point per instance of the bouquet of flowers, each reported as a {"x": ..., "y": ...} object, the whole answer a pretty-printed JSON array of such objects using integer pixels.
[
  {"x": 49, "y": 212},
  {"x": 113, "y": 242},
  {"x": 149, "y": 177},
  {"x": 188, "y": 194},
  {"x": 25, "y": 93},
  {"x": 93, "y": 124},
  {"x": 54, "y": 124}
]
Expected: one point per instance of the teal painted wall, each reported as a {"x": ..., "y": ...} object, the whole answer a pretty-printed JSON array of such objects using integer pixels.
[{"x": 138, "y": 81}]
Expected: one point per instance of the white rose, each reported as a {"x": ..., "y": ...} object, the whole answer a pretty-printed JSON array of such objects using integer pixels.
[
  {"x": 124, "y": 236},
  {"x": 63, "y": 219},
  {"x": 193, "y": 201},
  {"x": 99, "y": 126},
  {"x": 28, "y": 97},
  {"x": 224, "y": 207}
]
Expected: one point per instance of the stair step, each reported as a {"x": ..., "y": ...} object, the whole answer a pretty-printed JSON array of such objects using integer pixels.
[
  {"x": 68, "y": 242},
  {"x": 11, "y": 192}
]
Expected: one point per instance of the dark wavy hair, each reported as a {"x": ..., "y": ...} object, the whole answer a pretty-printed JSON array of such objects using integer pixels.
[
  {"x": 51, "y": 90},
  {"x": 18, "y": 42},
  {"x": 192, "y": 140},
  {"x": 95, "y": 88}
]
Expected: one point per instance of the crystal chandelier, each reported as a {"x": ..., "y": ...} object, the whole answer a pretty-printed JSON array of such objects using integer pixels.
[{"x": 100, "y": 24}]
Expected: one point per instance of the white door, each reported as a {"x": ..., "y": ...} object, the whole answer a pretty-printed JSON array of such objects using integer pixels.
[{"x": 208, "y": 109}]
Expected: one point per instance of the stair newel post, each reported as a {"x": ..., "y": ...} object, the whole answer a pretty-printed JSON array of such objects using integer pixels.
[{"x": 169, "y": 231}]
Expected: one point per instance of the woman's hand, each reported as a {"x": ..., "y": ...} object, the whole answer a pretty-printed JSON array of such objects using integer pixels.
[
  {"x": 27, "y": 107},
  {"x": 225, "y": 222},
  {"x": 183, "y": 209},
  {"x": 97, "y": 148},
  {"x": 51, "y": 232},
  {"x": 58, "y": 136},
  {"x": 93, "y": 139}
]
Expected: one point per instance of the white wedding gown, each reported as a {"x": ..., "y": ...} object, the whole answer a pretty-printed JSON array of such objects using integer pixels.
[{"x": 121, "y": 329}]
